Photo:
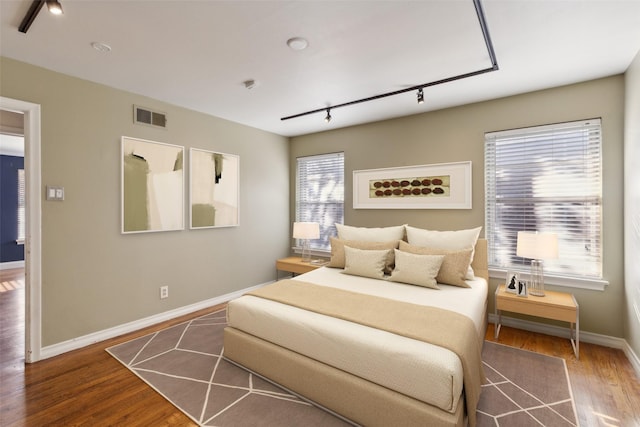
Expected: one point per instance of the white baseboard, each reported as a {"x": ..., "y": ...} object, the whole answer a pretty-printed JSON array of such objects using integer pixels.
[
  {"x": 558, "y": 331},
  {"x": 76, "y": 343},
  {"x": 633, "y": 358},
  {"x": 11, "y": 265}
]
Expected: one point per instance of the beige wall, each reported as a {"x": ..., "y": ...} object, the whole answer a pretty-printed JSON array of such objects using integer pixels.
[
  {"x": 11, "y": 122},
  {"x": 632, "y": 204},
  {"x": 457, "y": 134},
  {"x": 93, "y": 277}
]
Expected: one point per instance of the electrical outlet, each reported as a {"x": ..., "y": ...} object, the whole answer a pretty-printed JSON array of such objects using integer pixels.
[{"x": 164, "y": 292}]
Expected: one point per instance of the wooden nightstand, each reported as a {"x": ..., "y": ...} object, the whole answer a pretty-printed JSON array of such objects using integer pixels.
[
  {"x": 295, "y": 265},
  {"x": 554, "y": 305}
]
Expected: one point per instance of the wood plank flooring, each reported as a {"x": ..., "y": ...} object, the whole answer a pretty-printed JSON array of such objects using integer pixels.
[
  {"x": 88, "y": 387},
  {"x": 606, "y": 389}
]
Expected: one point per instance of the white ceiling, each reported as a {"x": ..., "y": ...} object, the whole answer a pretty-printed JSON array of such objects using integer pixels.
[{"x": 197, "y": 54}]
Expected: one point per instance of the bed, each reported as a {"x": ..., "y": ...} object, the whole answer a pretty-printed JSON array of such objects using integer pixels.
[{"x": 336, "y": 340}]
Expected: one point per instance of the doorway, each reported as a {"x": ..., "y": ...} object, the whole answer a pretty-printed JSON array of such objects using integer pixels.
[
  {"x": 12, "y": 234},
  {"x": 33, "y": 223}
]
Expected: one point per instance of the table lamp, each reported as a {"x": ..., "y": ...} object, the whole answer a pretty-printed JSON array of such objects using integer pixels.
[
  {"x": 537, "y": 246},
  {"x": 306, "y": 231}
]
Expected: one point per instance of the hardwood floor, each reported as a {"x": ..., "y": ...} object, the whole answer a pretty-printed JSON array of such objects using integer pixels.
[
  {"x": 88, "y": 387},
  {"x": 606, "y": 389}
]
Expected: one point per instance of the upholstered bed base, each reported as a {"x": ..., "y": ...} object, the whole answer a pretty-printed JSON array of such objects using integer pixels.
[{"x": 352, "y": 397}]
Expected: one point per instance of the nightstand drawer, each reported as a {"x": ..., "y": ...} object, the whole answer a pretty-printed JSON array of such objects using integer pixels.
[{"x": 533, "y": 308}]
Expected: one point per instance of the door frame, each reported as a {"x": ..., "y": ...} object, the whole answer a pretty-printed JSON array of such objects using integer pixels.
[{"x": 33, "y": 229}]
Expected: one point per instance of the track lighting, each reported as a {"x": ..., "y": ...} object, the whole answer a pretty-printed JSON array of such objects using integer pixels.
[
  {"x": 328, "y": 118},
  {"x": 494, "y": 67},
  {"x": 54, "y": 7}
]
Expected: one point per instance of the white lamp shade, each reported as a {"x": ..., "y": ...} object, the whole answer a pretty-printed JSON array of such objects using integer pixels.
[
  {"x": 534, "y": 245},
  {"x": 306, "y": 230}
]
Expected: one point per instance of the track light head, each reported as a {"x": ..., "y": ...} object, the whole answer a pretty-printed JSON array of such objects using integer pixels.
[
  {"x": 54, "y": 7},
  {"x": 328, "y": 118},
  {"x": 420, "y": 96}
]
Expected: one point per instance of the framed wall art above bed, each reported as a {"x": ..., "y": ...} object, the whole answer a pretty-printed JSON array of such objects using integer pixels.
[{"x": 436, "y": 186}]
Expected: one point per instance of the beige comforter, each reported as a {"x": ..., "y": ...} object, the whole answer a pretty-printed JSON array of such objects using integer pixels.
[{"x": 429, "y": 324}]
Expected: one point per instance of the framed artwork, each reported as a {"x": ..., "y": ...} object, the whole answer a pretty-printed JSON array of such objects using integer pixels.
[
  {"x": 522, "y": 288},
  {"x": 214, "y": 189},
  {"x": 511, "y": 282},
  {"x": 152, "y": 186},
  {"x": 437, "y": 186}
]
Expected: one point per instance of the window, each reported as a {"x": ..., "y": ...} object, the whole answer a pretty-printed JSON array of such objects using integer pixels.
[
  {"x": 320, "y": 194},
  {"x": 547, "y": 179},
  {"x": 21, "y": 204}
]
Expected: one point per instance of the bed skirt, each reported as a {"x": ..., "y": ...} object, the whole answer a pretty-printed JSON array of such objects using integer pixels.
[{"x": 353, "y": 398}]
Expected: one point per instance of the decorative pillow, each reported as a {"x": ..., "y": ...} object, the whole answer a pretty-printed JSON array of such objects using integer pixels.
[
  {"x": 337, "y": 251},
  {"x": 454, "y": 266},
  {"x": 450, "y": 240},
  {"x": 416, "y": 269},
  {"x": 383, "y": 234},
  {"x": 367, "y": 263}
]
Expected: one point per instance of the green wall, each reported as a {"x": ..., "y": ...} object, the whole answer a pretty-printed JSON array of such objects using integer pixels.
[
  {"x": 457, "y": 134},
  {"x": 93, "y": 277}
]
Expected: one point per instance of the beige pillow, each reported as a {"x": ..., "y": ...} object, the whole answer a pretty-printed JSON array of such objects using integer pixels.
[
  {"x": 451, "y": 240},
  {"x": 370, "y": 234},
  {"x": 454, "y": 266},
  {"x": 366, "y": 263},
  {"x": 337, "y": 251},
  {"x": 416, "y": 269}
]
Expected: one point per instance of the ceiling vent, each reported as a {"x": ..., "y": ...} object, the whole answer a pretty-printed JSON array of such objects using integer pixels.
[{"x": 146, "y": 116}]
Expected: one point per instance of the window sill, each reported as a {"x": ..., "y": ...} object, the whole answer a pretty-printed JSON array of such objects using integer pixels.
[
  {"x": 20, "y": 242},
  {"x": 567, "y": 282}
]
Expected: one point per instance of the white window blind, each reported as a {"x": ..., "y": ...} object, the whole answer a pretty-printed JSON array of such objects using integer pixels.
[
  {"x": 320, "y": 194},
  {"x": 547, "y": 179},
  {"x": 21, "y": 206}
]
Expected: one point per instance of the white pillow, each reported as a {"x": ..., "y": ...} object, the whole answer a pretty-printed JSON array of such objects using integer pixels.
[
  {"x": 416, "y": 269},
  {"x": 380, "y": 234},
  {"x": 367, "y": 263},
  {"x": 450, "y": 240}
]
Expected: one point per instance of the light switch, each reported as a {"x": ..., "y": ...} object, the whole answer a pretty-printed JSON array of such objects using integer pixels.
[{"x": 54, "y": 193}]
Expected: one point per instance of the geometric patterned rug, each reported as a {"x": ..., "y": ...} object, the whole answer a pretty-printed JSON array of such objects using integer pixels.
[
  {"x": 524, "y": 389},
  {"x": 184, "y": 364}
]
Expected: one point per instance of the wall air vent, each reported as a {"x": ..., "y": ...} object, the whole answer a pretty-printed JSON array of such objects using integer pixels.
[{"x": 146, "y": 116}]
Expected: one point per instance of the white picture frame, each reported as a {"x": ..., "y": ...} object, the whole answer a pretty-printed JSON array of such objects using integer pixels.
[
  {"x": 152, "y": 186},
  {"x": 511, "y": 282},
  {"x": 522, "y": 288},
  {"x": 214, "y": 193},
  {"x": 436, "y": 186}
]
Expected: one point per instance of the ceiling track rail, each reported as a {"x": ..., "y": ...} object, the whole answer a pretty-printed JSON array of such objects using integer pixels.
[
  {"x": 492, "y": 56},
  {"x": 34, "y": 9}
]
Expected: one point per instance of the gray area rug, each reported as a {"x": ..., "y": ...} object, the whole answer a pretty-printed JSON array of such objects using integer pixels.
[{"x": 183, "y": 363}]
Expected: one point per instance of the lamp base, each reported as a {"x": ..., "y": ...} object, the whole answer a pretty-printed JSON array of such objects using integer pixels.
[
  {"x": 536, "y": 284},
  {"x": 306, "y": 251}
]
